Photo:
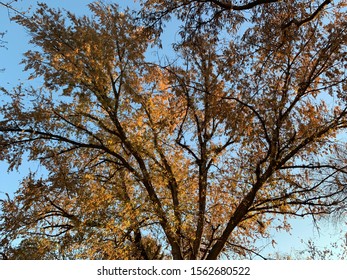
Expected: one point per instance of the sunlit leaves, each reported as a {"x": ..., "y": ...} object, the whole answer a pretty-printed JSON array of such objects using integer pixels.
[{"x": 187, "y": 160}]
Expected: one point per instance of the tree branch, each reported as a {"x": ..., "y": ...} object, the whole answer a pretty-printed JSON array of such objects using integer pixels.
[
  {"x": 229, "y": 6},
  {"x": 298, "y": 23}
]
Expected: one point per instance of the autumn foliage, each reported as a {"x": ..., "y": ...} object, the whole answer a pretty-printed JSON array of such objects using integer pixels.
[{"x": 190, "y": 157}]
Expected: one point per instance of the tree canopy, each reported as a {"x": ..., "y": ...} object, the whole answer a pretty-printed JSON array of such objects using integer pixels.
[{"x": 191, "y": 158}]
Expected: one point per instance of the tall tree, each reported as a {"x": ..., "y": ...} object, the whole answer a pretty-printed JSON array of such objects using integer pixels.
[{"x": 189, "y": 160}]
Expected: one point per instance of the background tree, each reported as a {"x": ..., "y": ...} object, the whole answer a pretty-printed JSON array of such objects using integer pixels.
[
  {"x": 336, "y": 250},
  {"x": 189, "y": 160}
]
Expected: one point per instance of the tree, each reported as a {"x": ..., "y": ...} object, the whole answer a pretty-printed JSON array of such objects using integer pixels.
[{"x": 189, "y": 160}]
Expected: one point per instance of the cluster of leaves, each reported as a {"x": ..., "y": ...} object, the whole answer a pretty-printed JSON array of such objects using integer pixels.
[
  {"x": 2, "y": 43},
  {"x": 188, "y": 160}
]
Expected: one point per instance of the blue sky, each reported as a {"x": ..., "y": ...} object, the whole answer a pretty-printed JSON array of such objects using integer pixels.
[{"x": 10, "y": 57}]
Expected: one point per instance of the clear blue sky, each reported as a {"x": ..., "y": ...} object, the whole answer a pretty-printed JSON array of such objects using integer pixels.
[{"x": 17, "y": 44}]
